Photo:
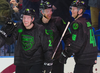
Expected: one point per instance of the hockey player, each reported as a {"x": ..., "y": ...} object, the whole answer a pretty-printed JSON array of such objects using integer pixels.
[
  {"x": 83, "y": 45},
  {"x": 54, "y": 27},
  {"x": 33, "y": 49}
]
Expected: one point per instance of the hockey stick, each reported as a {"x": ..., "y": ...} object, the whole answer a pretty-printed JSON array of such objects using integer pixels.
[{"x": 60, "y": 40}]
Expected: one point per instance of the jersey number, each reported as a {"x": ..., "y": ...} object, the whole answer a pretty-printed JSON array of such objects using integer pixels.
[
  {"x": 92, "y": 38},
  {"x": 50, "y": 43}
]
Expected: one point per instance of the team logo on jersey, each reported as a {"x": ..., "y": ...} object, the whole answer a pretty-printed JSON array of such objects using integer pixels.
[
  {"x": 74, "y": 37},
  {"x": 75, "y": 26},
  {"x": 27, "y": 42},
  {"x": 88, "y": 24},
  {"x": 20, "y": 30},
  {"x": 50, "y": 32}
]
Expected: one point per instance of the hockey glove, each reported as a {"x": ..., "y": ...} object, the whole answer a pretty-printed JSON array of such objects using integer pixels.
[
  {"x": 63, "y": 57},
  {"x": 47, "y": 67},
  {"x": 8, "y": 28}
]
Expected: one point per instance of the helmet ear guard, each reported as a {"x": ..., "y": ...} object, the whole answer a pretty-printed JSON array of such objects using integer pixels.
[{"x": 21, "y": 17}]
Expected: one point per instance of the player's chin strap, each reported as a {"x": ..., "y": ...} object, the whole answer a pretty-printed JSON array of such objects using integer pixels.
[
  {"x": 78, "y": 14},
  {"x": 45, "y": 16},
  {"x": 31, "y": 23}
]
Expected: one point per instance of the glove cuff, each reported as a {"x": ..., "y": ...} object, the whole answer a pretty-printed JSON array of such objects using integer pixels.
[
  {"x": 3, "y": 33},
  {"x": 48, "y": 64}
]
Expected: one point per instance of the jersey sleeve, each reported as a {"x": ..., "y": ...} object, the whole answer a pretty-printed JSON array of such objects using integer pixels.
[{"x": 78, "y": 37}]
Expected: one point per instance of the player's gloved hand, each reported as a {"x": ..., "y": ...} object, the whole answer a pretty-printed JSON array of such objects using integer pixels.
[
  {"x": 47, "y": 67},
  {"x": 8, "y": 28},
  {"x": 63, "y": 57}
]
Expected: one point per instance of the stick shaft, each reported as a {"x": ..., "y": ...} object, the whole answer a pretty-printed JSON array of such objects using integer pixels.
[{"x": 60, "y": 40}]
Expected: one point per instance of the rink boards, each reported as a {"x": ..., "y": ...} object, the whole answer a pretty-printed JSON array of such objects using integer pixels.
[{"x": 6, "y": 65}]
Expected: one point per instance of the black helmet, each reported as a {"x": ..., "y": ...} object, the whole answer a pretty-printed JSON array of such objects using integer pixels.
[
  {"x": 79, "y": 4},
  {"x": 30, "y": 12},
  {"x": 45, "y": 5}
]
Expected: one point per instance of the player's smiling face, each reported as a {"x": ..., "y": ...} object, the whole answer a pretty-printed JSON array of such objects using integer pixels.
[
  {"x": 27, "y": 20},
  {"x": 74, "y": 11},
  {"x": 48, "y": 13}
]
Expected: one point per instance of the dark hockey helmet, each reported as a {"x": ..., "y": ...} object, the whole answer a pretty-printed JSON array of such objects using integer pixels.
[
  {"x": 30, "y": 12},
  {"x": 79, "y": 4},
  {"x": 45, "y": 5}
]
